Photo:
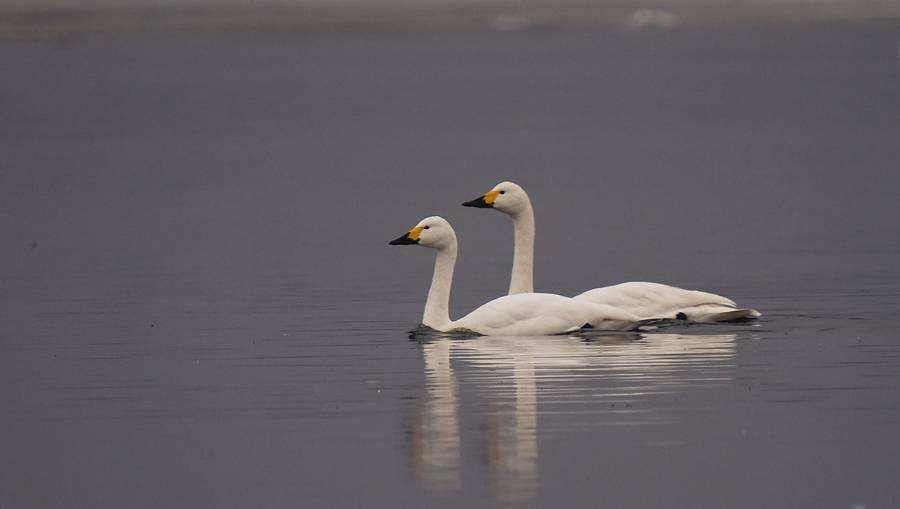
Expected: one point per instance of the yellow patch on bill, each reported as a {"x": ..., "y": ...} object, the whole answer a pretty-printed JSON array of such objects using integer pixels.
[
  {"x": 490, "y": 196},
  {"x": 414, "y": 233}
]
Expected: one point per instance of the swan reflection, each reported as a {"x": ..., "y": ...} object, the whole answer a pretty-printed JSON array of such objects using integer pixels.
[
  {"x": 502, "y": 380},
  {"x": 435, "y": 433}
]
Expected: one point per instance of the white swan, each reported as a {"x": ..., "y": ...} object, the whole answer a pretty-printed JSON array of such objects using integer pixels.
[
  {"x": 523, "y": 314},
  {"x": 644, "y": 300}
]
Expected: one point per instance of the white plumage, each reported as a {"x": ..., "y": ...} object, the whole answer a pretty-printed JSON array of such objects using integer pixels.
[
  {"x": 664, "y": 301},
  {"x": 541, "y": 314},
  {"x": 522, "y": 314},
  {"x": 639, "y": 299}
]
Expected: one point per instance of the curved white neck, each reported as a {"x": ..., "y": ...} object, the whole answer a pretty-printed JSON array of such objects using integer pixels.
[
  {"x": 522, "y": 279},
  {"x": 437, "y": 307}
]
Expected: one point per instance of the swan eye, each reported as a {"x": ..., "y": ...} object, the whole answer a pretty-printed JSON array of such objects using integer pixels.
[
  {"x": 427, "y": 227},
  {"x": 502, "y": 192}
]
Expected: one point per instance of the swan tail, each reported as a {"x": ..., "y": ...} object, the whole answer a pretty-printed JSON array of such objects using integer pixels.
[{"x": 715, "y": 314}]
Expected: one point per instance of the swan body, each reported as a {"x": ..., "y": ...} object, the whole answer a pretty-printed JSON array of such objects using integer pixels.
[
  {"x": 521, "y": 314},
  {"x": 542, "y": 314},
  {"x": 663, "y": 301},
  {"x": 639, "y": 299}
]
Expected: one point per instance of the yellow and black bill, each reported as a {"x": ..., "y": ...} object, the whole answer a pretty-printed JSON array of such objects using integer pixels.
[
  {"x": 485, "y": 201},
  {"x": 410, "y": 237}
]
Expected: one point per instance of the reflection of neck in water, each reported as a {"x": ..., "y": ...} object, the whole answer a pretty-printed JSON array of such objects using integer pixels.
[
  {"x": 512, "y": 440},
  {"x": 511, "y": 450},
  {"x": 507, "y": 371},
  {"x": 436, "y": 438}
]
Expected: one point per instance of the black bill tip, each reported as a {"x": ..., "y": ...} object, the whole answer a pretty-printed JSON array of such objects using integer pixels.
[
  {"x": 403, "y": 240},
  {"x": 478, "y": 203}
]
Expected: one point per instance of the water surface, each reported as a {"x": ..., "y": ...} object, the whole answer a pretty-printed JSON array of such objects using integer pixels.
[{"x": 200, "y": 308}]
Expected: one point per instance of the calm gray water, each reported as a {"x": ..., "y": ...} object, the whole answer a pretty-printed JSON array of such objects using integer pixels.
[{"x": 200, "y": 309}]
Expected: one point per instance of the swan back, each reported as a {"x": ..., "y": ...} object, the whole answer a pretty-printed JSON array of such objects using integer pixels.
[
  {"x": 530, "y": 314},
  {"x": 655, "y": 300}
]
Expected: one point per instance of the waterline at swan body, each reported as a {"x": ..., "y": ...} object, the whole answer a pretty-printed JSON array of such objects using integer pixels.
[
  {"x": 643, "y": 300},
  {"x": 522, "y": 314}
]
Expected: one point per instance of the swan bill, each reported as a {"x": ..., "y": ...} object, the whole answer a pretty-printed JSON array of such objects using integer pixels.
[
  {"x": 481, "y": 202},
  {"x": 408, "y": 238},
  {"x": 403, "y": 240}
]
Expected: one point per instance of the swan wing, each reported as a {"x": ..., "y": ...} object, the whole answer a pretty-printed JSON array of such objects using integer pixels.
[
  {"x": 655, "y": 300},
  {"x": 530, "y": 314}
]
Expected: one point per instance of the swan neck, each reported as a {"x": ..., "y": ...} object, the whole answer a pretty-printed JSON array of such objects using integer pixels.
[
  {"x": 437, "y": 307},
  {"x": 522, "y": 279}
]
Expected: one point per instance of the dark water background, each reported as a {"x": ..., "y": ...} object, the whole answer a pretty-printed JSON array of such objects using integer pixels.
[{"x": 200, "y": 309}]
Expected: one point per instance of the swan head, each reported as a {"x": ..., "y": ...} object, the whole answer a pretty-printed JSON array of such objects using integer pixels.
[
  {"x": 507, "y": 197},
  {"x": 434, "y": 232}
]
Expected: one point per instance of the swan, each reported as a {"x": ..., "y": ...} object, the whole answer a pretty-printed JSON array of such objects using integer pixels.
[
  {"x": 641, "y": 299},
  {"x": 522, "y": 314}
]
